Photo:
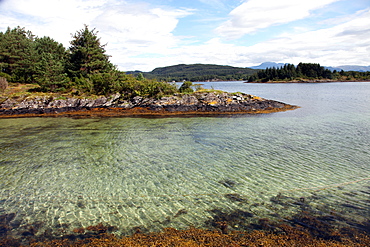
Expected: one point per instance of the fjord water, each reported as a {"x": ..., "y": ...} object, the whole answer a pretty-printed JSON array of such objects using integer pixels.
[{"x": 152, "y": 173}]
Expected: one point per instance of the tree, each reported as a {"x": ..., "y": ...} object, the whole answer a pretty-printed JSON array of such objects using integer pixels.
[
  {"x": 17, "y": 54},
  {"x": 88, "y": 64},
  {"x": 290, "y": 72},
  {"x": 87, "y": 55},
  {"x": 50, "y": 68}
]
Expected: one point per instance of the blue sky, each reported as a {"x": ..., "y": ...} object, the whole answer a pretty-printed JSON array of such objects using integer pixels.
[{"x": 145, "y": 34}]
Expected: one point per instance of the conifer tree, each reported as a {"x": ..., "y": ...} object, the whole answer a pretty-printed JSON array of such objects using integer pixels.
[
  {"x": 17, "y": 54},
  {"x": 50, "y": 68},
  {"x": 87, "y": 55}
]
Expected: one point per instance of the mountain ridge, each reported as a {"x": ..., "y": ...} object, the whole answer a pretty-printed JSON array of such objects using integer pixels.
[{"x": 197, "y": 72}]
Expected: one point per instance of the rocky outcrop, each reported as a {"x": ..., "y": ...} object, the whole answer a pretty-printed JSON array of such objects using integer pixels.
[{"x": 196, "y": 103}]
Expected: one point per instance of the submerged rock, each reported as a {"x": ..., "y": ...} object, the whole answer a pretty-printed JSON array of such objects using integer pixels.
[
  {"x": 228, "y": 183},
  {"x": 236, "y": 198}
]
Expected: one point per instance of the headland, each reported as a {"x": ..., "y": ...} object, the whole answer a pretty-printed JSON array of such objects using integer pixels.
[{"x": 194, "y": 104}]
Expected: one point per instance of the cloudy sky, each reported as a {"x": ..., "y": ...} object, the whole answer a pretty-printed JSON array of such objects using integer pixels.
[{"x": 145, "y": 34}]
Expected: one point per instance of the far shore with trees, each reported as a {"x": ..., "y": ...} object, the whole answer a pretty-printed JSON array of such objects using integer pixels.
[{"x": 306, "y": 72}]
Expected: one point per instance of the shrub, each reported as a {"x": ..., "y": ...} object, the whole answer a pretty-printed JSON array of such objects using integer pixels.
[
  {"x": 186, "y": 87},
  {"x": 130, "y": 87}
]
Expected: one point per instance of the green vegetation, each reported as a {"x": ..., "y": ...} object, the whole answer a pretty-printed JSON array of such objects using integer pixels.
[
  {"x": 82, "y": 69},
  {"x": 49, "y": 71},
  {"x": 186, "y": 87},
  {"x": 17, "y": 54},
  {"x": 198, "y": 72},
  {"x": 306, "y": 71}
]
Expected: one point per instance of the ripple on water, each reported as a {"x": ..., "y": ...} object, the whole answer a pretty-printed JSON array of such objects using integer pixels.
[{"x": 153, "y": 173}]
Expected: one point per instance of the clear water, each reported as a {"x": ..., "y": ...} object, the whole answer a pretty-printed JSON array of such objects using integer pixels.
[{"x": 174, "y": 172}]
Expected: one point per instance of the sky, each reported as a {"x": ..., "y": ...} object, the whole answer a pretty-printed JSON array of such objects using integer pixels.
[{"x": 146, "y": 34}]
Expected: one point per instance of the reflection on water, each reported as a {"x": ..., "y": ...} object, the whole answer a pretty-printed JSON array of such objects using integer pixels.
[{"x": 64, "y": 174}]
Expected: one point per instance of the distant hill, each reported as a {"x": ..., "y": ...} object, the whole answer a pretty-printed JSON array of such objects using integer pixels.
[
  {"x": 266, "y": 65},
  {"x": 350, "y": 68},
  {"x": 197, "y": 72}
]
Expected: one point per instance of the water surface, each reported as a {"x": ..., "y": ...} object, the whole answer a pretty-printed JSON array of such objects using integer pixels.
[{"x": 64, "y": 173}]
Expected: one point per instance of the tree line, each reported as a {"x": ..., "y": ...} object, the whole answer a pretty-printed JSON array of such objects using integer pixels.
[
  {"x": 83, "y": 68},
  {"x": 310, "y": 71}
]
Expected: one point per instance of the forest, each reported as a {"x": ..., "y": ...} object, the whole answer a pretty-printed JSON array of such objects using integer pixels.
[
  {"x": 198, "y": 72},
  {"x": 304, "y": 72},
  {"x": 82, "y": 69}
]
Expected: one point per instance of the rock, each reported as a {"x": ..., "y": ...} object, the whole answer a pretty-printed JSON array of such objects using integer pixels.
[
  {"x": 136, "y": 100},
  {"x": 9, "y": 103},
  {"x": 188, "y": 100},
  {"x": 209, "y": 102},
  {"x": 112, "y": 100}
]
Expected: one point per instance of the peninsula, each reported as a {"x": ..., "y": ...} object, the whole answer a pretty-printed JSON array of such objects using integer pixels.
[{"x": 197, "y": 103}]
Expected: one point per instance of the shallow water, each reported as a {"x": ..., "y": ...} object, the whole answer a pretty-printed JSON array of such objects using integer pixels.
[{"x": 64, "y": 173}]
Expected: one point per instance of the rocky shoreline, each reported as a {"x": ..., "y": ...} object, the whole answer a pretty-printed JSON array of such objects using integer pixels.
[{"x": 199, "y": 103}]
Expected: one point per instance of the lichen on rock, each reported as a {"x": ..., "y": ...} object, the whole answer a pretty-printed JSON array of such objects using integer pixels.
[{"x": 196, "y": 103}]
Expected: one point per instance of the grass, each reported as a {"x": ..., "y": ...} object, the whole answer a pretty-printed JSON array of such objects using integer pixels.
[
  {"x": 210, "y": 91},
  {"x": 18, "y": 91}
]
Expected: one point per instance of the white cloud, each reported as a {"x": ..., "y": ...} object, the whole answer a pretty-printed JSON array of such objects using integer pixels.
[
  {"x": 346, "y": 43},
  {"x": 253, "y": 15},
  {"x": 54, "y": 18},
  {"x": 134, "y": 30},
  {"x": 332, "y": 46},
  {"x": 141, "y": 36},
  {"x": 130, "y": 29}
]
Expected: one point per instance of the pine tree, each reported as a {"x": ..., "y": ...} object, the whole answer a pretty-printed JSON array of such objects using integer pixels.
[
  {"x": 17, "y": 54},
  {"x": 50, "y": 68},
  {"x": 87, "y": 55}
]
